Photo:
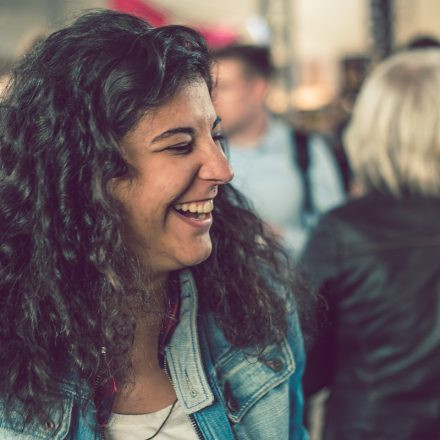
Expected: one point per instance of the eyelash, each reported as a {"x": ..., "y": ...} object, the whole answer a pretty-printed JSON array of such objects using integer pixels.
[
  {"x": 219, "y": 137},
  {"x": 183, "y": 149}
]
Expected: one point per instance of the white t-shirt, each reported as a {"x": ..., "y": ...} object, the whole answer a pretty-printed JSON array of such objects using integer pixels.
[{"x": 142, "y": 426}]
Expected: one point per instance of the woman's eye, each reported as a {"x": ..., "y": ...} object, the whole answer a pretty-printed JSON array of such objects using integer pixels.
[
  {"x": 221, "y": 139},
  {"x": 181, "y": 148}
]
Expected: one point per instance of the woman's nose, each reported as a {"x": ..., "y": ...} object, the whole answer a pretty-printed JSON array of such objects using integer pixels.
[{"x": 215, "y": 166}]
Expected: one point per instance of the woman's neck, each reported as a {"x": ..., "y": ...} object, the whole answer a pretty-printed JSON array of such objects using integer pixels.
[
  {"x": 149, "y": 316},
  {"x": 148, "y": 388}
]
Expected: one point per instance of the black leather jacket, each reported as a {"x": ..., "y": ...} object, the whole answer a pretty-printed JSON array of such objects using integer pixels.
[{"x": 377, "y": 263}]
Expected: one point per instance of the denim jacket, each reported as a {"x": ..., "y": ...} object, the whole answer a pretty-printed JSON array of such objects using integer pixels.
[{"x": 228, "y": 393}]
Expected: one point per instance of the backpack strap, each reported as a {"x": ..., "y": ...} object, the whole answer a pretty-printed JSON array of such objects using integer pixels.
[{"x": 302, "y": 159}]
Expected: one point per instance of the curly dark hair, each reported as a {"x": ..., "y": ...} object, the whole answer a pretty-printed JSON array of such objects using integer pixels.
[{"x": 64, "y": 266}]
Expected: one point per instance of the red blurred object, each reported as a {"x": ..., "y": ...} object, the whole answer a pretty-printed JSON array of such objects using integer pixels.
[
  {"x": 154, "y": 15},
  {"x": 216, "y": 36}
]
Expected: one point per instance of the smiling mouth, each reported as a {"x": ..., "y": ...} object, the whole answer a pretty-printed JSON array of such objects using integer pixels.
[{"x": 195, "y": 210}]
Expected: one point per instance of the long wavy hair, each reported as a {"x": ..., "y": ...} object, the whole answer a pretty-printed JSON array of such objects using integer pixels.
[{"x": 65, "y": 270}]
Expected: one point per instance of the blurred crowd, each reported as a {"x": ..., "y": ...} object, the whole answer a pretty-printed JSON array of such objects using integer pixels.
[{"x": 358, "y": 208}]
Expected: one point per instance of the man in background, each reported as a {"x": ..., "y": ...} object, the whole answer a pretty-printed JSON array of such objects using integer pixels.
[{"x": 289, "y": 177}]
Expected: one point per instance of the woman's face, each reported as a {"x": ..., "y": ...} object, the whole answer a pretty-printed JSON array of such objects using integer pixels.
[{"x": 178, "y": 165}]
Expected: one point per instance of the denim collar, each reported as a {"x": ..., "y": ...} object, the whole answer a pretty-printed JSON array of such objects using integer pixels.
[{"x": 183, "y": 354}]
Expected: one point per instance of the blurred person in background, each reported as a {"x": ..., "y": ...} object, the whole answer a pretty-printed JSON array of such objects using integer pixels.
[
  {"x": 376, "y": 263},
  {"x": 139, "y": 296},
  {"x": 290, "y": 178}
]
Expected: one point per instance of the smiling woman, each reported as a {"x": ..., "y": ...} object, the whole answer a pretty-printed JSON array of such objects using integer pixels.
[
  {"x": 140, "y": 297},
  {"x": 179, "y": 163}
]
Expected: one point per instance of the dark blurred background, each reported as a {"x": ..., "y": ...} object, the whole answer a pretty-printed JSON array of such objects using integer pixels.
[{"x": 321, "y": 48}]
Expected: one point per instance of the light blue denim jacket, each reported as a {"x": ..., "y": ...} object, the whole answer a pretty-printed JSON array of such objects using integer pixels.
[{"x": 228, "y": 393}]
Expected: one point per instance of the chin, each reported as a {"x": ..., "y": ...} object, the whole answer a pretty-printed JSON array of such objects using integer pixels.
[
  {"x": 200, "y": 257},
  {"x": 196, "y": 256}
]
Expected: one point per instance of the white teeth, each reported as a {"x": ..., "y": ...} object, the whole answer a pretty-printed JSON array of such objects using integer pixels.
[
  {"x": 182, "y": 206},
  {"x": 200, "y": 208},
  {"x": 208, "y": 206}
]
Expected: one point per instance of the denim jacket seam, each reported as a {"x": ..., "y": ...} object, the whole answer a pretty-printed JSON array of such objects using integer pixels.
[{"x": 272, "y": 381}]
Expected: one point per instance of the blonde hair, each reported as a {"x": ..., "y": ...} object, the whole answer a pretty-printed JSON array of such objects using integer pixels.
[{"x": 393, "y": 139}]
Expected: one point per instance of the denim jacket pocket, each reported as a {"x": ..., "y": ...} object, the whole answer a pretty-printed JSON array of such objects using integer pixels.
[
  {"x": 246, "y": 378},
  {"x": 57, "y": 428}
]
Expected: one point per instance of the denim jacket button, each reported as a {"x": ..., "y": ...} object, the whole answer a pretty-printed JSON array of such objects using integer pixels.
[
  {"x": 49, "y": 425},
  {"x": 231, "y": 402},
  {"x": 274, "y": 364}
]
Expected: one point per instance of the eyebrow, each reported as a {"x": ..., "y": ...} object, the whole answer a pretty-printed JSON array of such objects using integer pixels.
[{"x": 181, "y": 130}]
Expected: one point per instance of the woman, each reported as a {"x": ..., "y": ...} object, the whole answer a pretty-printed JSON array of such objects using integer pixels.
[
  {"x": 140, "y": 298},
  {"x": 376, "y": 261}
]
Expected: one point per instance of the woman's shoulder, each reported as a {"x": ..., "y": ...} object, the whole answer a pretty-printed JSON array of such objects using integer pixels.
[
  {"x": 13, "y": 426},
  {"x": 65, "y": 414}
]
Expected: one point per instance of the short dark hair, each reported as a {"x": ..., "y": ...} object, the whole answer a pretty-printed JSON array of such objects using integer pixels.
[{"x": 256, "y": 59}]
